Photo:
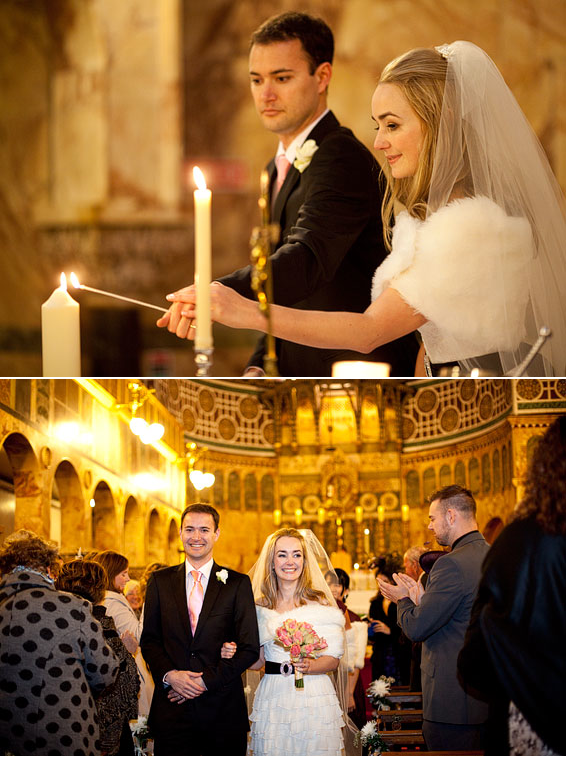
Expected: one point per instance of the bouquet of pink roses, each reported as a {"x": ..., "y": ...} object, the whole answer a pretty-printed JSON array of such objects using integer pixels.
[{"x": 302, "y": 641}]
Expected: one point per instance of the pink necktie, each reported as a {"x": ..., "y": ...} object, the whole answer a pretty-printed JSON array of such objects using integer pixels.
[
  {"x": 283, "y": 167},
  {"x": 196, "y": 598}
]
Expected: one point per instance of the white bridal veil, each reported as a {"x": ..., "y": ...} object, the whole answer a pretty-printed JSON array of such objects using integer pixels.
[
  {"x": 486, "y": 147},
  {"x": 320, "y": 569}
]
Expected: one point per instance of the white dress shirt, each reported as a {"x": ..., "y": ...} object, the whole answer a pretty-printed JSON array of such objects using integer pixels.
[{"x": 291, "y": 152}]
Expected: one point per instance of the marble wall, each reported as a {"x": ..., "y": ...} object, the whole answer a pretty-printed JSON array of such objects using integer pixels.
[{"x": 104, "y": 104}]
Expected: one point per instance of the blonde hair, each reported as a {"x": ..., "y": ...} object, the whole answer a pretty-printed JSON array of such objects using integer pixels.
[
  {"x": 420, "y": 74},
  {"x": 270, "y": 586}
]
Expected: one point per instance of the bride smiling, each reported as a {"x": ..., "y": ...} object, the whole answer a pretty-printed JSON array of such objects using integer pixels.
[{"x": 288, "y": 584}]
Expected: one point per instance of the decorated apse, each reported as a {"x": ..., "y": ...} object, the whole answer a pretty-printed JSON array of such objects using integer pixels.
[{"x": 356, "y": 460}]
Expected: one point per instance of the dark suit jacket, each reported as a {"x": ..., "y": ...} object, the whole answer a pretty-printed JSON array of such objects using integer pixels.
[
  {"x": 440, "y": 622},
  {"x": 228, "y": 614},
  {"x": 514, "y": 646},
  {"x": 330, "y": 245}
]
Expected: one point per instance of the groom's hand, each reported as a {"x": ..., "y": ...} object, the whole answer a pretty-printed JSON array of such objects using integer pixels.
[{"x": 186, "y": 683}]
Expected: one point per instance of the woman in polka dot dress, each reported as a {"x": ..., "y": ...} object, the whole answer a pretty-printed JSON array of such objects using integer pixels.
[{"x": 53, "y": 657}]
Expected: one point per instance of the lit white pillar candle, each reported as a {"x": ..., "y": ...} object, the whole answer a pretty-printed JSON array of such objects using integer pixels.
[
  {"x": 203, "y": 199},
  {"x": 61, "y": 334}
]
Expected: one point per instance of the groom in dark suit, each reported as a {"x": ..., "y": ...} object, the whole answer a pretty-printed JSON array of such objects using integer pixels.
[
  {"x": 198, "y": 706},
  {"x": 325, "y": 195}
]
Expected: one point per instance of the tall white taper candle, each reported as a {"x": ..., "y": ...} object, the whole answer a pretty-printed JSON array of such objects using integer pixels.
[
  {"x": 61, "y": 334},
  {"x": 202, "y": 200}
]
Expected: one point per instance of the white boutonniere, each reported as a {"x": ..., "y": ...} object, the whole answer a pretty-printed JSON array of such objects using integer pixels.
[
  {"x": 304, "y": 155},
  {"x": 222, "y": 575}
]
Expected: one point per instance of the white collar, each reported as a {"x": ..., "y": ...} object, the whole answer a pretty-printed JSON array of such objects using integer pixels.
[
  {"x": 291, "y": 152},
  {"x": 204, "y": 569}
]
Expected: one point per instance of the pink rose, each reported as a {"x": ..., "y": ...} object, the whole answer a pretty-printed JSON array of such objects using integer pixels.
[
  {"x": 295, "y": 650},
  {"x": 291, "y": 624},
  {"x": 309, "y": 649},
  {"x": 298, "y": 637}
]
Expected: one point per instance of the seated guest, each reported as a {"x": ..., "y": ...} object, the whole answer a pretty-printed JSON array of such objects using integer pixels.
[
  {"x": 118, "y": 607},
  {"x": 53, "y": 657},
  {"x": 514, "y": 647},
  {"x": 118, "y": 704}
]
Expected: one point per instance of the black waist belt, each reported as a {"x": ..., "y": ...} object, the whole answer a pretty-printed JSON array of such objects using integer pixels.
[{"x": 279, "y": 668}]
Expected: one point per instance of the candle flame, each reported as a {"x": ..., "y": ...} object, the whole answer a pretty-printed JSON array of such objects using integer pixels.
[
  {"x": 198, "y": 177},
  {"x": 75, "y": 280},
  {"x": 63, "y": 282}
]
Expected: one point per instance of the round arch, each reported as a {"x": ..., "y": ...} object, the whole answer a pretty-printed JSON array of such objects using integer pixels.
[
  {"x": 173, "y": 544},
  {"x": 155, "y": 546},
  {"x": 25, "y": 506},
  {"x": 133, "y": 537},
  {"x": 104, "y": 525},
  {"x": 68, "y": 504}
]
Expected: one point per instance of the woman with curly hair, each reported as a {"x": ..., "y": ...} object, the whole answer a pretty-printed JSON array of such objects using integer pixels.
[
  {"x": 53, "y": 656},
  {"x": 514, "y": 647},
  {"x": 118, "y": 704}
]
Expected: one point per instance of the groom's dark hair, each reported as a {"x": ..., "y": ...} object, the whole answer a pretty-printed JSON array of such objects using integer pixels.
[
  {"x": 314, "y": 34},
  {"x": 202, "y": 508}
]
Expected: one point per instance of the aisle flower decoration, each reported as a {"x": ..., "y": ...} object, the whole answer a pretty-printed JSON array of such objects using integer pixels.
[
  {"x": 301, "y": 640},
  {"x": 370, "y": 738},
  {"x": 378, "y": 690}
]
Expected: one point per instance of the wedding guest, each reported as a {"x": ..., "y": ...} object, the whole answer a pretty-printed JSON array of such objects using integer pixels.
[
  {"x": 384, "y": 632},
  {"x": 326, "y": 204},
  {"x": 118, "y": 704},
  {"x": 132, "y": 592},
  {"x": 477, "y": 261},
  {"x": 514, "y": 646},
  {"x": 356, "y": 644},
  {"x": 452, "y": 717},
  {"x": 53, "y": 657},
  {"x": 118, "y": 608}
]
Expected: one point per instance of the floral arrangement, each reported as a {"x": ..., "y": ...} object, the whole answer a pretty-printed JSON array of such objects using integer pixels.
[
  {"x": 371, "y": 739},
  {"x": 304, "y": 155},
  {"x": 222, "y": 575},
  {"x": 302, "y": 641},
  {"x": 378, "y": 690},
  {"x": 141, "y": 734}
]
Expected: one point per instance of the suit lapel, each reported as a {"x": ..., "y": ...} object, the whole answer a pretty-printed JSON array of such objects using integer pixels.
[
  {"x": 212, "y": 591},
  {"x": 180, "y": 595},
  {"x": 291, "y": 180},
  {"x": 328, "y": 124}
]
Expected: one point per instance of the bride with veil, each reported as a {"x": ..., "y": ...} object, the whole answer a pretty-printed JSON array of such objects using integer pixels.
[
  {"x": 473, "y": 216},
  {"x": 290, "y": 588}
]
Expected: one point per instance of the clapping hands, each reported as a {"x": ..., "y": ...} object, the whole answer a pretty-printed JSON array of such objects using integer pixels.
[{"x": 404, "y": 586}]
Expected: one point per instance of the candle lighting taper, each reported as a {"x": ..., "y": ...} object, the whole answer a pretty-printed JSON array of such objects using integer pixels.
[
  {"x": 75, "y": 282},
  {"x": 263, "y": 237}
]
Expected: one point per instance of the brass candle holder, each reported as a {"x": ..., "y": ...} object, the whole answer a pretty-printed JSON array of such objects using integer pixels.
[{"x": 262, "y": 239}]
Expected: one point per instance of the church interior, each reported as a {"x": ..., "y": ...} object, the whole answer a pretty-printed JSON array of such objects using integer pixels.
[
  {"x": 352, "y": 460},
  {"x": 106, "y": 106}
]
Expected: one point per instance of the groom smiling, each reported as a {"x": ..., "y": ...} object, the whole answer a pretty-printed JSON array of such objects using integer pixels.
[{"x": 190, "y": 610}]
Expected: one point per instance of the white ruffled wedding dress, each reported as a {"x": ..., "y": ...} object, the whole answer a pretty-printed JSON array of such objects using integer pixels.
[{"x": 290, "y": 721}]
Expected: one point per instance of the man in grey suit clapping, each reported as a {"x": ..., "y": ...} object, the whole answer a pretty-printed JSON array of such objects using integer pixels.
[{"x": 452, "y": 717}]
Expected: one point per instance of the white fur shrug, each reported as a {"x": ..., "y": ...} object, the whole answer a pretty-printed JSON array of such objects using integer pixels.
[{"x": 466, "y": 269}]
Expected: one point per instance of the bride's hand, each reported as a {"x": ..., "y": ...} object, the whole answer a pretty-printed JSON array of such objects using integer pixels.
[{"x": 226, "y": 306}]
